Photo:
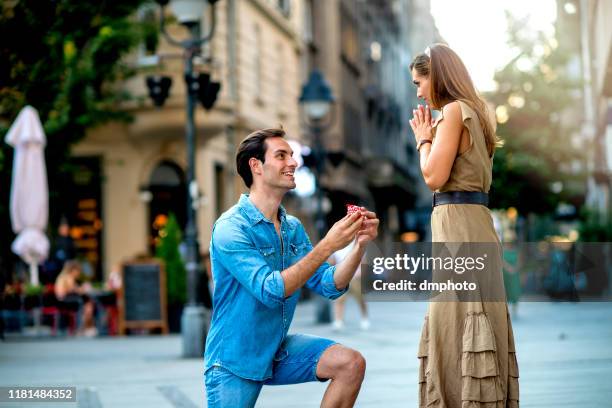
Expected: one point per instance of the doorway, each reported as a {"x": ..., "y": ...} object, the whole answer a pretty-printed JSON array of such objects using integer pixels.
[{"x": 168, "y": 195}]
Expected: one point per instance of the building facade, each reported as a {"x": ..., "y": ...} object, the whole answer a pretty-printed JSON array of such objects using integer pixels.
[
  {"x": 255, "y": 54},
  {"x": 596, "y": 43},
  {"x": 582, "y": 27},
  {"x": 364, "y": 49},
  {"x": 261, "y": 53}
]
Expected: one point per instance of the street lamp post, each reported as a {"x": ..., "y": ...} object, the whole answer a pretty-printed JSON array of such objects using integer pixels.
[
  {"x": 317, "y": 100},
  {"x": 189, "y": 13}
]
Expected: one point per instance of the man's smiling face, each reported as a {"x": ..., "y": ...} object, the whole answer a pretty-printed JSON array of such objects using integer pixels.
[{"x": 278, "y": 169}]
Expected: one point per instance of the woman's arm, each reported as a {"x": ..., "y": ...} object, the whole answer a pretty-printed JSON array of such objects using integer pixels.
[{"x": 437, "y": 159}]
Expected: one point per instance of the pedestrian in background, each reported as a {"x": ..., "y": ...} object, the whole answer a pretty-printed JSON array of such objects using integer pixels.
[
  {"x": 512, "y": 277},
  {"x": 354, "y": 291}
]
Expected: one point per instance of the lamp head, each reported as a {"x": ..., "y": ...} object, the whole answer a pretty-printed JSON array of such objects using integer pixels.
[
  {"x": 188, "y": 12},
  {"x": 316, "y": 97}
]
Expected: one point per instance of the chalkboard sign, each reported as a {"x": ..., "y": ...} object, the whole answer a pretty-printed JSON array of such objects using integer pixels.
[{"x": 142, "y": 303}]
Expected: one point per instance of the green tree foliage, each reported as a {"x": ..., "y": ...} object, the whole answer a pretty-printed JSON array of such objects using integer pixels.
[
  {"x": 64, "y": 58},
  {"x": 168, "y": 251},
  {"x": 533, "y": 171},
  {"x": 595, "y": 227}
]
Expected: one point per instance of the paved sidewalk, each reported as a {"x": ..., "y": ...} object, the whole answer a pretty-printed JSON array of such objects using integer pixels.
[{"x": 564, "y": 352}]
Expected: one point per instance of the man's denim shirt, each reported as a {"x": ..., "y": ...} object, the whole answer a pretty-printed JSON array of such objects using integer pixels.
[{"x": 251, "y": 315}]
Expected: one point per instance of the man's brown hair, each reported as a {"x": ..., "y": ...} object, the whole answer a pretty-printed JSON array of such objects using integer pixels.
[{"x": 254, "y": 145}]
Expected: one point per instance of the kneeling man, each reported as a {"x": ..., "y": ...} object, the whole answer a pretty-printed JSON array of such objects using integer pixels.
[{"x": 261, "y": 257}]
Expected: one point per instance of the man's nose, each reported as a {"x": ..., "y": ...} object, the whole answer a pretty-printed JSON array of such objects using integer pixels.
[{"x": 293, "y": 162}]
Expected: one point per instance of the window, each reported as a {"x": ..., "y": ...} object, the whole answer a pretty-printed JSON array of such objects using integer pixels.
[
  {"x": 349, "y": 38},
  {"x": 219, "y": 189},
  {"x": 257, "y": 64},
  {"x": 352, "y": 128},
  {"x": 147, "y": 49},
  {"x": 308, "y": 22},
  {"x": 81, "y": 201},
  {"x": 285, "y": 7},
  {"x": 280, "y": 79}
]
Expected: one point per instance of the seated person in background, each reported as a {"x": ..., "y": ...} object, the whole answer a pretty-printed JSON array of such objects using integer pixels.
[{"x": 70, "y": 294}]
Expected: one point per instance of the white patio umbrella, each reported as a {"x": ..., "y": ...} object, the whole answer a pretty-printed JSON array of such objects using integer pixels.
[{"x": 29, "y": 190}]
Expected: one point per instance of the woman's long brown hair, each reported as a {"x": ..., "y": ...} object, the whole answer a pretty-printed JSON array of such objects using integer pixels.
[{"x": 450, "y": 81}]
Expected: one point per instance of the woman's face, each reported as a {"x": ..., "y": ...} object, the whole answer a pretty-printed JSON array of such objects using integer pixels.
[{"x": 423, "y": 87}]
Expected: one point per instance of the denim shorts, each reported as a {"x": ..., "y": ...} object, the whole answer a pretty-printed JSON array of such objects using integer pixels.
[{"x": 296, "y": 362}]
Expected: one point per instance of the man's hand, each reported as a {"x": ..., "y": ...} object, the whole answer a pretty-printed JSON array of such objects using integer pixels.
[
  {"x": 340, "y": 235},
  {"x": 369, "y": 228},
  {"x": 343, "y": 232},
  {"x": 366, "y": 233}
]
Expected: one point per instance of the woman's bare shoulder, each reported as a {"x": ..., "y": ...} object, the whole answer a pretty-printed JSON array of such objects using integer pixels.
[
  {"x": 451, "y": 112},
  {"x": 452, "y": 109}
]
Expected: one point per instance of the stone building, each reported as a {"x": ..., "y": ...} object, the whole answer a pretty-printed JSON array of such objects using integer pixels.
[
  {"x": 364, "y": 49},
  {"x": 137, "y": 170},
  {"x": 133, "y": 175}
]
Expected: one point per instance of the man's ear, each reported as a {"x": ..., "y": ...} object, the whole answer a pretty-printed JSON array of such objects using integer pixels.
[{"x": 255, "y": 165}]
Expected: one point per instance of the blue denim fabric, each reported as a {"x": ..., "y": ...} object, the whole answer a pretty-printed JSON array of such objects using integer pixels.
[
  {"x": 251, "y": 315},
  {"x": 224, "y": 389}
]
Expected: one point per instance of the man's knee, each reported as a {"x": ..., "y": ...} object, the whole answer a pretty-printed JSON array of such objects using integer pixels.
[
  {"x": 357, "y": 364},
  {"x": 346, "y": 362}
]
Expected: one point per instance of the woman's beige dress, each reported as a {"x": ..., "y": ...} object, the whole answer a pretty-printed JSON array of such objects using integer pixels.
[{"x": 466, "y": 352}]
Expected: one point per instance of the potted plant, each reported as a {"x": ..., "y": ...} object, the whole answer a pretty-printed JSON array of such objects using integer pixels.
[
  {"x": 176, "y": 276},
  {"x": 32, "y": 296}
]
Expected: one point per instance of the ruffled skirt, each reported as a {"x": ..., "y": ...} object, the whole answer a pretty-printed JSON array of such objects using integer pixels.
[
  {"x": 466, "y": 352},
  {"x": 473, "y": 368}
]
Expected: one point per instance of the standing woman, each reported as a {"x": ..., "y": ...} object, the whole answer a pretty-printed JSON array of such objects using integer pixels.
[{"x": 467, "y": 355}]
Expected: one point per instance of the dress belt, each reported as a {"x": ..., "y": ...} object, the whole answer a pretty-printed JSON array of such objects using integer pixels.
[{"x": 460, "y": 197}]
